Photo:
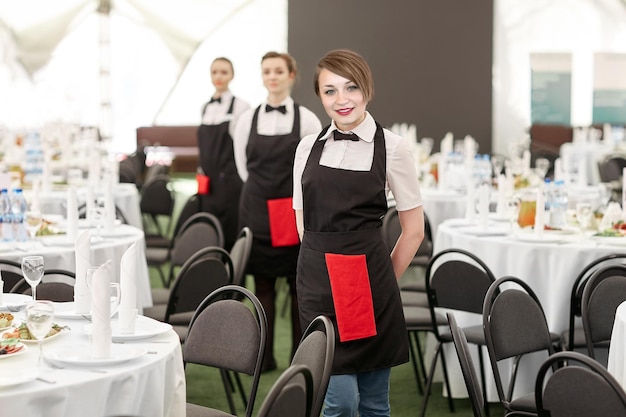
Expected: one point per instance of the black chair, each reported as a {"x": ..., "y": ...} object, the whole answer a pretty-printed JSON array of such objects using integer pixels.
[
  {"x": 574, "y": 336},
  {"x": 604, "y": 292},
  {"x": 578, "y": 387},
  {"x": 291, "y": 394},
  {"x": 228, "y": 335},
  {"x": 11, "y": 273},
  {"x": 515, "y": 325},
  {"x": 469, "y": 372},
  {"x": 119, "y": 214},
  {"x": 205, "y": 271},
  {"x": 56, "y": 285},
  {"x": 240, "y": 253},
  {"x": 157, "y": 203},
  {"x": 456, "y": 280},
  {"x": 316, "y": 350}
]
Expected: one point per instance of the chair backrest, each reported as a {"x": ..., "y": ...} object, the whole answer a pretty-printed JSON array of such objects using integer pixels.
[
  {"x": 611, "y": 167},
  {"x": 457, "y": 280},
  {"x": 316, "y": 350},
  {"x": 119, "y": 214},
  {"x": 157, "y": 199},
  {"x": 191, "y": 207},
  {"x": 205, "y": 271},
  {"x": 391, "y": 231},
  {"x": 578, "y": 387},
  {"x": 229, "y": 335},
  {"x": 240, "y": 253},
  {"x": 56, "y": 285},
  {"x": 472, "y": 383},
  {"x": 579, "y": 285},
  {"x": 514, "y": 324},
  {"x": 604, "y": 292},
  {"x": 11, "y": 273},
  {"x": 290, "y": 395}
]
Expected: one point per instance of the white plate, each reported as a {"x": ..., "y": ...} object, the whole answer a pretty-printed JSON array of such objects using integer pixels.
[
  {"x": 24, "y": 375},
  {"x": 478, "y": 231},
  {"x": 542, "y": 238},
  {"x": 610, "y": 240},
  {"x": 459, "y": 222},
  {"x": 81, "y": 355},
  {"x": 145, "y": 327},
  {"x": 19, "y": 352},
  {"x": 59, "y": 240},
  {"x": 34, "y": 341},
  {"x": 498, "y": 217},
  {"x": 66, "y": 311}
]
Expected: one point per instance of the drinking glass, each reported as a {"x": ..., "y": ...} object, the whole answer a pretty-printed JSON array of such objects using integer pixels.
[
  {"x": 511, "y": 210},
  {"x": 542, "y": 166},
  {"x": 584, "y": 213},
  {"x": 33, "y": 221},
  {"x": 33, "y": 269},
  {"x": 97, "y": 217},
  {"x": 114, "y": 297},
  {"x": 39, "y": 317}
]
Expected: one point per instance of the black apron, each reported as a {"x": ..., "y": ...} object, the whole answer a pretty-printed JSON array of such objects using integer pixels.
[
  {"x": 217, "y": 161},
  {"x": 266, "y": 201},
  {"x": 344, "y": 268}
]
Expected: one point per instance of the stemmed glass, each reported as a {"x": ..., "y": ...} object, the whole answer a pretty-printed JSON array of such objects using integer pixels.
[
  {"x": 511, "y": 210},
  {"x": 97, "y": 217},
  {"x": 542, "y": 166},
  {"x": 114, "y": 290},
  {"x": 39, "y": 317},
  {"x": 33, "y": 269},
  {"x": 33, "y": 221},
  {"x": 584, "y": 214}
]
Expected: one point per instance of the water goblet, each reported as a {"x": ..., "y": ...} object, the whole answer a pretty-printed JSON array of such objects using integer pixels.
[
  {"x": 511, "y": 211},
  {"x": 33, "y": 269},
  {"x": 33, "y": 221},
  {"x": 96, "y": 215},
  {"x": 39, "y": 317},
  {"x": 584, "y": 214},
  {"x": 114, "y": 296}
]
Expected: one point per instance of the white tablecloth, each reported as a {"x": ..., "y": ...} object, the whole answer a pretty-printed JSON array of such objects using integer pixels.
[
  {"x": 549, "y": 268},
  {"x": 59, "y": 253},
  {"x": 617, "y": 351},
  {"x": 150, "y": 385},
  {"x": 440, "y": 205}
]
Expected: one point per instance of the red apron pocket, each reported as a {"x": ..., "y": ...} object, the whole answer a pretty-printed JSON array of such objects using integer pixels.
[
  {"x": 282, "y": 219},
  {"x": 352, "y": 296},
  {"x": 203, "y": 184}
]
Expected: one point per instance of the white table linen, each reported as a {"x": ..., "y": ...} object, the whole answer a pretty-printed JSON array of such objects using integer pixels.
[{"x": 617, "y": 351}]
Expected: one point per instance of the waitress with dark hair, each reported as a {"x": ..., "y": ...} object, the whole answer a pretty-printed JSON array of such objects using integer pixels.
[
  {"x": 265, "y": 143},
  {"x": 219, "y": 185}
]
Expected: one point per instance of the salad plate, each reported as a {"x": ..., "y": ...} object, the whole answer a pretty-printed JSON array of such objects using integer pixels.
[{"x": 18, "y": 349}]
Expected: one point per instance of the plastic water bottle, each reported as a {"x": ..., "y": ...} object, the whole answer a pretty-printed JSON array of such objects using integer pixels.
[
  {"x": 5, "y": 207},
  {"x": 558, "y": 207},
  {"x": 18, "y": 205}
]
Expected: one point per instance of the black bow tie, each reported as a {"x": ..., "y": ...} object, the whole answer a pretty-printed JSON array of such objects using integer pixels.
[
  {"x": 343, "y": 136},
  {"x": 281, "y": 109},
  {"x": 215, "y": 100}
]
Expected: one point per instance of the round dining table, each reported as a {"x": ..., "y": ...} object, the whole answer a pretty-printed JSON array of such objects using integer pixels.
[
  {"x": 59, "y": 253},
  {"x": 143, "y": 376},
  {"x": 549, "y": 262},
  {"x": 617, "y": 350}
]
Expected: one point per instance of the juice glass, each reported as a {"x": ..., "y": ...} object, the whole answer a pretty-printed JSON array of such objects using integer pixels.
[{"x": 527, "y": 209}]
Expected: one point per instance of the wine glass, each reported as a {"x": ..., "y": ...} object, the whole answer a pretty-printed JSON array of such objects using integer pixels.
[
  {"x": 33, "y": 221},
  {"x": 584, "y": 213},
  {"x": 39, "y": 317},
  {"x": 114, "y": 295},
  {"x": 542, "y": 166},
  {"x": 33, "y": 269},
  {"x": 96, "y": 214},
  {"x": 511, "y": 210}
]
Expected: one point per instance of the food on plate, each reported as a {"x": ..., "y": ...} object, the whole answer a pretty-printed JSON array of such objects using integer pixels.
[
  {"x": 6, "y": 319},
  {"x": 617, "y": 230},
  {"x": 22, "y": 332},
  {"x": 8, "y": 346}
]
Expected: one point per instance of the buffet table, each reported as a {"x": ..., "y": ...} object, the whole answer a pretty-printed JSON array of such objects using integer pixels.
[
  {"x": 549, "y": 263},
  {"x": 144, "y": 376}
]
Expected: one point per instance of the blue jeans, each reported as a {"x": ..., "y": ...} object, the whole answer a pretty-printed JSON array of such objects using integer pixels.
[{"x": 365, "y": 392}]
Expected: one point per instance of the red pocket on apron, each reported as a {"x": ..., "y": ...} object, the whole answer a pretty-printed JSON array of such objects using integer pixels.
[
  {"x": 282, "y": 219},
  {"x": 352, "y": 296},
  {"x": 204, "y": 183}
]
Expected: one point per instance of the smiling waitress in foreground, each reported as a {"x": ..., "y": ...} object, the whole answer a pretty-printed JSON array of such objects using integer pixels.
[{"x": 341, "y": 179}]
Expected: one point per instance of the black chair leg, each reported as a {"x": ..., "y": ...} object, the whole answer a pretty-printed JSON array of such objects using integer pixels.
[
  {"x": 483, "y": 379},
  {"x": 228, "y": 387},
  {"x": 414, "y": 360}
]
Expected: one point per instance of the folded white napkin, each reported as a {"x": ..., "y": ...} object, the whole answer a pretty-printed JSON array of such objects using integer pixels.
[
  {"x": 109, "y": 206},
  {"x": 483, "y": 206},
  {"x": 90, "y": 204},
  {"x": 558, "y": 170},
  {"x": 128, "y": 289},
  {"x": 526, "y": 163},
  {"x": 447, "y": 144},
  {"x": 101, "y": 312},
  {"x": 95, "y": 167},
  {"x": 612, "y": 215},
  {"x": 34, "y": 200},
  {"x": 72, "y": 213},
  {"x": 607, "y": 134},
  {"x": 470, "y": 205},
  {"x": 501, "y": 195},
  {"x": 82, "y": 296},
  {"x": 540, "y": 212},
  {"x": 582, "y": 174}
]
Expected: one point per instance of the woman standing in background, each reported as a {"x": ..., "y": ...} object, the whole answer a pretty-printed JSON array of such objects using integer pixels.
[
  {"x": 342, "y": 176},
  {"x": 265, "y": 142},
  {"x": 219, "y": 185}
]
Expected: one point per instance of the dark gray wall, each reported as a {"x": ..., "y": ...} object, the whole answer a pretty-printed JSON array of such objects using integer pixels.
[{"x": 431, "y": 59}]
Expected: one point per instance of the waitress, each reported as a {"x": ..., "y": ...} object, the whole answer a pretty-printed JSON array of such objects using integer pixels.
[
  {"x": 265, "y": 142},
  {"x": 219, "y": 185},
  {"x": 341, "y": 179}
]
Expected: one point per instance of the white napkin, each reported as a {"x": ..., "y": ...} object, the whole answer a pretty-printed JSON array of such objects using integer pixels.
[
  {"x": 501, "y": 195},
  {"x": 34, "y": 201},
  {"x": 582, "y": 173},
  {"x": 82, "y": 298},
  {"x": 540, "y": 212},
  {"x": 558, "y": 170},
  {"x": 526, "y": 163},
  {"x": 90, "y": 203},
  {"x": 607, "y": 134},
  {"x": 128, "y": 289},
  {"x": 109, "y": 207},
  {"x": 483, "y": 206},
  {"x": 94, "y": 172},
  {"x": 47, "y": 172},
  {"x": 101, "y": 312},
  {"x": 72, "y": 213},
  {"x": 470, "y": 206},
  {"x": 447, "y": 144},
  {"x": 612, "y": 215}
]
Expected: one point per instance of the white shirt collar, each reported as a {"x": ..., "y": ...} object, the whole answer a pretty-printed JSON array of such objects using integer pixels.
[{"x": 365, "y": 130}]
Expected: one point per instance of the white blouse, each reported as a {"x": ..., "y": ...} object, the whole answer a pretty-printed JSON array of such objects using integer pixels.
[
  {"x": 402, "y": 178},
  {"x": 217, "y": 113},
  {"x": 269, "y": 124}
]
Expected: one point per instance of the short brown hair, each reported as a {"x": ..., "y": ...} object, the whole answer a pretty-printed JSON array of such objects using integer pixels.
[
  {"x": 350, "y": 65},
  {"x": 228, "y": 61},
  {"x": 291, "y": 62}
]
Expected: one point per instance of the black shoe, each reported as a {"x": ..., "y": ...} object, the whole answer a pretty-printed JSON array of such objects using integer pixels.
[{"x": 268, "y": 365}]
